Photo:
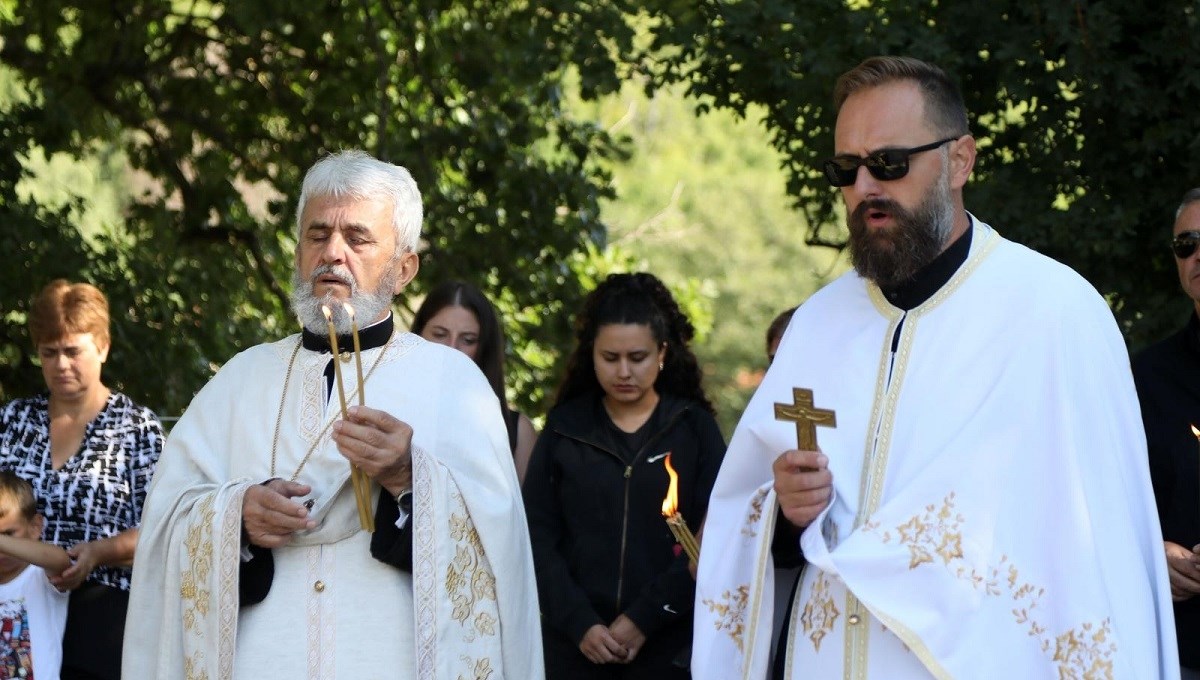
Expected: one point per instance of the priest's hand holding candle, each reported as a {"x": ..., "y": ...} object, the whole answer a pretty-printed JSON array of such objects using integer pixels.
[{"x": 379, "y": 445}]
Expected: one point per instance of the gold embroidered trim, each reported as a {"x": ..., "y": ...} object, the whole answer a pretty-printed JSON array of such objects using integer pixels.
[
  {"x": 883, "y": 414},
  {"x": 313, "y": 399},
  {"x": 887, "y": 391},
  {"x": 469, "y": 580},
  {"x": 451, "y": 583},
  {"x": 193, "y": 587},
  {"x": 228, "y": 565},
  {"x": 1084, "y": 652},
  {"x": 481, "y": 670},
  {"x": 935, "y": 535},
  {"x": 751, "y": 613},
  {"x": 756, "y": 511},
  {"x": 471, "y": 587},
  {"x": 820, "y": 612},
  {"x": 730, "y": 613},
  {"x": 193, "y": 667},
  {"x": 426, "y": 595},
  {"x": 873, "y": 448},
  {"x": 857, "y": 639}
]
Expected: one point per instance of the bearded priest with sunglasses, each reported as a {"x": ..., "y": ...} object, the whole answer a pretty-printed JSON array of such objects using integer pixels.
[
  {"x": 981, "y": 505},
  {"x": 1167, "y": 375}
]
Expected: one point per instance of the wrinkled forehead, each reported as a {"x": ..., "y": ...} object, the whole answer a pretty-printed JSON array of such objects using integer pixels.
[
  {"x": 326, "y": 208},
  {"x": 350, "y": 214}
]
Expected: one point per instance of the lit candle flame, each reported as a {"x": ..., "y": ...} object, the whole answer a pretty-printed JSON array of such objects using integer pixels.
[
  {"x": 327, "y": 312},
  {"x": 671, "y": 502},
  {"x": 349, "y": 310},
  {"x": 1195, "y": 432},
  {"x": 675, "y": 522}
]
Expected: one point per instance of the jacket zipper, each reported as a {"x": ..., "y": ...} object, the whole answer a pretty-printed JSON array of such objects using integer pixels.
[
  {"x": 625, "y": 514},
  {"x": 629, "y": 473},
  {"x": 624, "y": 537}
]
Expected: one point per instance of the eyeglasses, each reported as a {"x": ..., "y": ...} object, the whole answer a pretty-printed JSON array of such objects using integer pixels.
[
  {"x": 1184, "y": 244},
  {"x": 884, "y": 165}
]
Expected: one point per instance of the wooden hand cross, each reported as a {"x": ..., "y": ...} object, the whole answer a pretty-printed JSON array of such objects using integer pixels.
[{"x": 806, "y": 416}]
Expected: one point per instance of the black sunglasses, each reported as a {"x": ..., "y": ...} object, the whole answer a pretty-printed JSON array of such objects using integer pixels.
[
  {"x": 884, "y": 165},
  {"x": 1184, "y": 243}
]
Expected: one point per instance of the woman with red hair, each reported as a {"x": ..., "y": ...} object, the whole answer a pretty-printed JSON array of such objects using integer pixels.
[{"x": 89, "y": 453}]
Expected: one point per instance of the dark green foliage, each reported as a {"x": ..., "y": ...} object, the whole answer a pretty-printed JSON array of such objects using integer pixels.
[
  {"x": 1085, "y": 111},
  {"x": 221, "y": 107}
]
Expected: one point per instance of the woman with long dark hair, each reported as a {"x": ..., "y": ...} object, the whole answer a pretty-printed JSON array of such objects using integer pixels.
[
  {"x": 459, "y": 315},
  {"x": 615, "y": 591}
]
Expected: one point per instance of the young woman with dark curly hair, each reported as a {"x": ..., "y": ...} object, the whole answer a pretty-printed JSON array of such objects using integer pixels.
[{"x": 616, "y": 594}]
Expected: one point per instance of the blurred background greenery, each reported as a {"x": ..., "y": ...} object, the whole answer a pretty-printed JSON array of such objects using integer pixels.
[{"x": 155, "y": 149}]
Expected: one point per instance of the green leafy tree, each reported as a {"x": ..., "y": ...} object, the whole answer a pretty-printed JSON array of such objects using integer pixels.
[
  {"x": 1085, "y": 113},
  {"x": 219, "y": 107},
  {"x": 702, "y": 203}
]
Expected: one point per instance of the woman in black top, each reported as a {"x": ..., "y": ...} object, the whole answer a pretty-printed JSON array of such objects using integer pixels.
[
  {"x": 615, "y": 591},
  {"x": 458, "y": 315}
]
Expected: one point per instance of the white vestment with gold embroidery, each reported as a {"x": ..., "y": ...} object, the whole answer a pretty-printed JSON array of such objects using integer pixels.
[
  {"x": 992, "y": 513},
  {"x": 469, "y": 609}
]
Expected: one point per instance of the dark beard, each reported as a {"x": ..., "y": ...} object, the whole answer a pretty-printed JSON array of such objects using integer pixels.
[{"x": 894, "y": 255}]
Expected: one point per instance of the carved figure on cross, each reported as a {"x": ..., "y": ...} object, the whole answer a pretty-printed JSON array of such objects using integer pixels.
[{"x": 806, "y": 416}]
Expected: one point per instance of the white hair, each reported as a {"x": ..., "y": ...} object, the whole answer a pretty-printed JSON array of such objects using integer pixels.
[
  {"x": 1189, "y": 198},
  {"x": 356, "y": 173}
]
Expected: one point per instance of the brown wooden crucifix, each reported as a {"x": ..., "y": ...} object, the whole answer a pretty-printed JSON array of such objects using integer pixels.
[{"x": 806, "y": 416}]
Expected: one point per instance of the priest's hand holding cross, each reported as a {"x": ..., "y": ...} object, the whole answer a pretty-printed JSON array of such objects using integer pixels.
[{"x": 803, "y": 483}]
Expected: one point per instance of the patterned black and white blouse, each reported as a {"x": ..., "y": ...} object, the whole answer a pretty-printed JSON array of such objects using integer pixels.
[{"x": 100, "y": 491}]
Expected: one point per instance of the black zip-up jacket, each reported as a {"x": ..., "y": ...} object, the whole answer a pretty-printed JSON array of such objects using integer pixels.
[{"x": 600, "y": 545}]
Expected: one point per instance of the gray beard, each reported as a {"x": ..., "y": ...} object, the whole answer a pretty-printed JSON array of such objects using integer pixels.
[
  {"x": 895, "y": 255},
  {"x": 367, "y": 306}
]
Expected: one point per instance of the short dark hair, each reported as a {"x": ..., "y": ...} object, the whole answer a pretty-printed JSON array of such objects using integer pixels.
[
  {"x": 490, "y": 355},
  {"x": 944, "y": 106},
  {"x": 16, "y": 493},
  {"x": 778, "y": 326}
]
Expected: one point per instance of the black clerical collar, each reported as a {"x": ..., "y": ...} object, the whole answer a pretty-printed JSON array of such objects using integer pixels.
[
  {"x": 375, "y": 335},
  {"x": 932, "y": 276}
]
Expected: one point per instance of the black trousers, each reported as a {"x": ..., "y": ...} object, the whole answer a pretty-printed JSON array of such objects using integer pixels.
[{"x": 95, "y": 632}]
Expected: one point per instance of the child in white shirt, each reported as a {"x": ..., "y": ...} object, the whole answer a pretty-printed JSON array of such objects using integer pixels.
[{"x": 32, "y": 612}]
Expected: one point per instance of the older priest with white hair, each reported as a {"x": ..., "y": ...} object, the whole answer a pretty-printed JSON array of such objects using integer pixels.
[
  {"x": 978, "y": 503},
  {"x": 253, "y": 560}
]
